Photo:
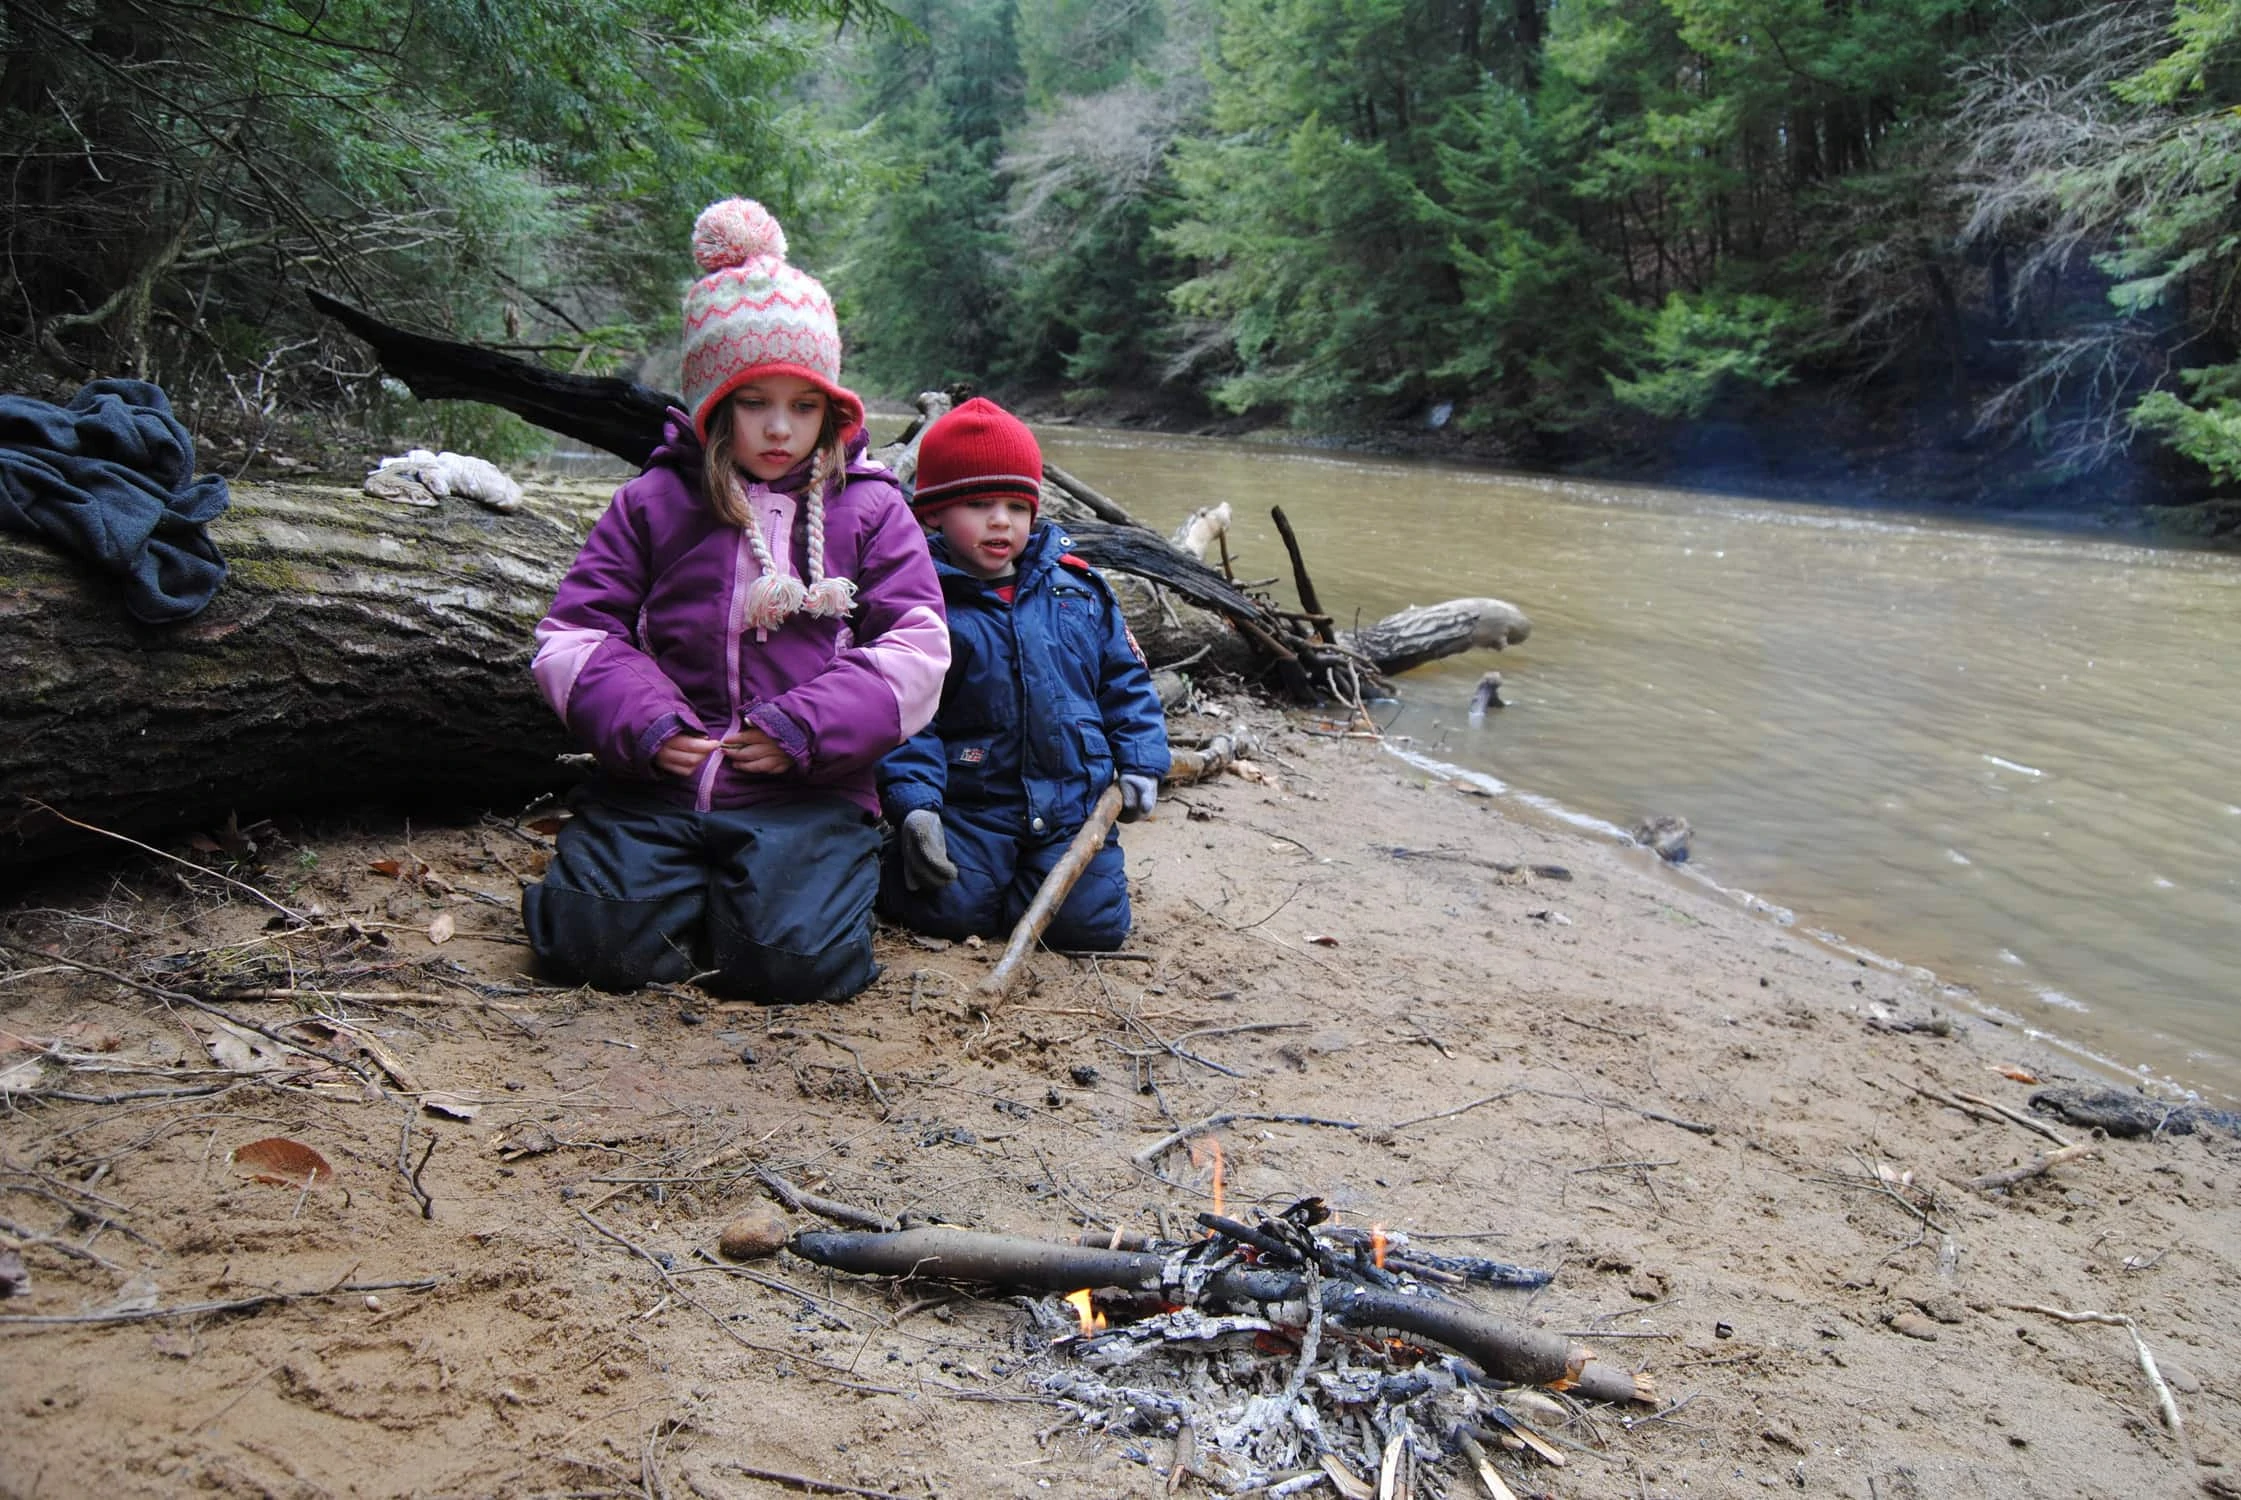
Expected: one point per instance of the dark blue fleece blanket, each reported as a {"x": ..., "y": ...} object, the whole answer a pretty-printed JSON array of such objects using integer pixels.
[{"x": 111, "y": 477}]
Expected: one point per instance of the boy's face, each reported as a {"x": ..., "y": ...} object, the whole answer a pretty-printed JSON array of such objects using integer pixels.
[
  {"x": 774, "y": 423},
  {"x": 986, "y": 532}
]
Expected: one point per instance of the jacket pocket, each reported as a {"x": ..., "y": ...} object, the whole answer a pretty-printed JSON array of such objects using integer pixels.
[{"x": 1094, "y": 753}]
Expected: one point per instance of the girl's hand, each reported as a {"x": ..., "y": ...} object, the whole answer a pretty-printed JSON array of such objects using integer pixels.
[
  {"x": 756, "y": 753},
  {"x": 682, "y": 754}
]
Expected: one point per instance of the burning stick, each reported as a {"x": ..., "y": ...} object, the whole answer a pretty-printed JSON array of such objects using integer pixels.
[
  {"x": 1055, "y": 888},
  {"x": 1504, "y": 1350}
]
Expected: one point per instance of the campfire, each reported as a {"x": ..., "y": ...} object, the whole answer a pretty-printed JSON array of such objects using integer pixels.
[{"x": 1273, "y": 1357}]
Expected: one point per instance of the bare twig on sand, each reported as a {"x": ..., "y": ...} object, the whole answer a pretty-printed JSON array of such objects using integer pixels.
[
  {"x": 800, "y": 1200},
  {"x": 2036, "y": 1127},
  {"x": 180, "y": 997},
  {"x": 297, "y": 917},
  {"x": 1977, "y": 1108},
  {"x": 204, "y": 1309},
  {"x": 411, "y": 1174},
  {"x": 2037, "y": 1166},
  {"x": 1170, "y": 1141},
  {"x": 1694, "y": 1127},
  {"x": 793, "y": 1482},
  {"x": 2165, "y": 1401}
]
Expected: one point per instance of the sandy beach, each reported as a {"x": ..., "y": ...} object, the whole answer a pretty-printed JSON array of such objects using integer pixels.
[{"x": 1715, "y": 1133}]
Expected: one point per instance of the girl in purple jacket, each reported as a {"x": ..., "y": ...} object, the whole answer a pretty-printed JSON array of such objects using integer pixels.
[{"x": 752, "y": 624}]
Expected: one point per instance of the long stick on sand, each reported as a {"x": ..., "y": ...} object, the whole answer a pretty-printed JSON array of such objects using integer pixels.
[{"x": 1054, "y": 890}]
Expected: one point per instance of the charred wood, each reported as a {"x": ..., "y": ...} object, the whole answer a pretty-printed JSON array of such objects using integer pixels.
[{"x": 1504, "y": 1350}]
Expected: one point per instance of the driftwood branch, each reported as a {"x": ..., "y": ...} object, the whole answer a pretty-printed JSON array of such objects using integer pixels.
[
  {"x": 1051, "y": 895},
  {"x": 2037, "y": 1166},
  {"x": 620, "y": 417},
  {"x": 1308, "y": 602},
  {"x": 1104, "y": 507}
]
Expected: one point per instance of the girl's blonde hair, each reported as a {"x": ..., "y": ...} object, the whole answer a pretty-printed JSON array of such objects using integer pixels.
[{"x": 777, "y": 596}]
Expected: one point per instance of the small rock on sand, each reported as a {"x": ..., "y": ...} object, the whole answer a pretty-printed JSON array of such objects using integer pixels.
[
  {"x": 758, "y": 1232},
  {"x": 1914, "y": 1326}
]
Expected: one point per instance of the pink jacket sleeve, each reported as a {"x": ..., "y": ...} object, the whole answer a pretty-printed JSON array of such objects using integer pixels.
[{"x": 589, "y": 664}]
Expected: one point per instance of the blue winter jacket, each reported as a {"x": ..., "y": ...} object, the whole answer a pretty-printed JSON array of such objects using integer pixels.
[{"x": 1047, "y": 698}]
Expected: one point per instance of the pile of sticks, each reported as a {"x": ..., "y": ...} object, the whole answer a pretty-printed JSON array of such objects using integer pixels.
[{"x": 1330, "y": 1351}]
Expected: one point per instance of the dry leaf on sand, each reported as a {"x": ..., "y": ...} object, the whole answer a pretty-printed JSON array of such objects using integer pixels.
[{"x": 283, "y": 1163}]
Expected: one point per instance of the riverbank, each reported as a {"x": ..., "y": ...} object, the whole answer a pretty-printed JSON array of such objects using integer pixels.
[
  {"x": 1807, "y": 444},
  {"x": 1821, "y": 1301}
]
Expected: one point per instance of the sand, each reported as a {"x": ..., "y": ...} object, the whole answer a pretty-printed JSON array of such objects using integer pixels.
[{"x": 1823, "y": 1304}]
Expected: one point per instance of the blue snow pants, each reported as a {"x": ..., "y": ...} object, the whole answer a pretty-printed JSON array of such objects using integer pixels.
[
  {"x": 1000, "y": 865},
  {"x": 771, "y": 902}
]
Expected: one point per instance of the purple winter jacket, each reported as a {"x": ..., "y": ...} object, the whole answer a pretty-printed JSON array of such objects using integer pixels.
[{"x": 646, "y": 639}]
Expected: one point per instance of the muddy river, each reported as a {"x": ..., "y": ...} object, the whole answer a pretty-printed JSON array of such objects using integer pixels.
[{"x": 2007, "y": 755}]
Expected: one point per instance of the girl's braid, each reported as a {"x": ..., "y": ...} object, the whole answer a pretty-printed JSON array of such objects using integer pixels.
[{"x": 826, "y": 598}]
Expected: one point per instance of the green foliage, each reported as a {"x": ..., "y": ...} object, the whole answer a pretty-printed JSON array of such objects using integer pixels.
[
  {"x": 1314, "y": 209},
  {"x": 2204, "y": 61},
  {"x": 1536, "y": 295},
  {"x": 2206, "y": 429},
  {"x": 1695, "y": 349},
  {"x": 181, "y": 169}
]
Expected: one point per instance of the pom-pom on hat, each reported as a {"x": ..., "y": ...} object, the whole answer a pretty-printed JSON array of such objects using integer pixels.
[
  {"x": 754, "y": 315},
  {"x": 978, "y": 449}
]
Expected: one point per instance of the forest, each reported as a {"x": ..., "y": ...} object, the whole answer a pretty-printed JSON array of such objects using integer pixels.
[{"x": 1999, "y": 233}]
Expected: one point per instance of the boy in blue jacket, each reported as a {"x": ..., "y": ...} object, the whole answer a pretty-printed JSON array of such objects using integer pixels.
[{"x": 1047, "y": 702}]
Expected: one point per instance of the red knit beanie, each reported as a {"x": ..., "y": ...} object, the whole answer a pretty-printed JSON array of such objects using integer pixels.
[{"x": 978, "y": 449}]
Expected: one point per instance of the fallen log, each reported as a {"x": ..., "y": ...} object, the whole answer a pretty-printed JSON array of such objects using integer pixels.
[{"x": 359, "y": 651}]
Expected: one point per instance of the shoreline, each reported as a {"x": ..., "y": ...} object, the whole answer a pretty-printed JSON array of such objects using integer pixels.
[
  {"x": 1821, "y": 1299},
  {"x": 1962, "y": 994}
]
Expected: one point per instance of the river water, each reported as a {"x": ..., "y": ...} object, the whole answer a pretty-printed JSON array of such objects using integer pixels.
[{"x": 2007, "y": 755}]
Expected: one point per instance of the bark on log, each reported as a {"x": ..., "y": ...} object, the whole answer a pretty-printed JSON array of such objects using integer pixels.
[{"x": 359, "y": 651}]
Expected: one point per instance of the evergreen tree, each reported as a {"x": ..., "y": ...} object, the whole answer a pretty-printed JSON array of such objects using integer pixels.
[
  {"x": 926, "y": 300},
  {"x": 181, "y": 170}
]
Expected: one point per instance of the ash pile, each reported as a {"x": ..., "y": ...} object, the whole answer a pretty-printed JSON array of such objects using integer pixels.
[{"x": 1277, "y": 1358}]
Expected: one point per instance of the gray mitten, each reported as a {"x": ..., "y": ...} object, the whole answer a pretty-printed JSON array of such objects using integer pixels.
[
  {"x": 1139, "y": 795},
  {"x": 926, "y": 863}
]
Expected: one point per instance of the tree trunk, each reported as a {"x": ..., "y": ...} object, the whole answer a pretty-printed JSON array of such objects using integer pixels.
[{"x": 359, "y": 651}]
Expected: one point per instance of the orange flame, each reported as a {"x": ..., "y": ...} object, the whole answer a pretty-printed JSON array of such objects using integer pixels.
[
  {"x": 1212, "y": 1149},
  {"x": 1093, "y": 1321},
  {"x": 1377, "y": 1245}
]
